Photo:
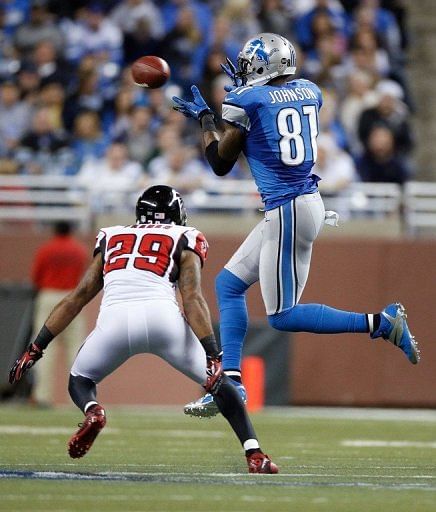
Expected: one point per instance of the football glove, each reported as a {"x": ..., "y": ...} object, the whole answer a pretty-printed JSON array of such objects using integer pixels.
[
  {"x": 230, "y": 70},
  {"x": 195, "y": 109},
  {"x": 24, "y": 363},
  {"x": 214, "y": 372}
]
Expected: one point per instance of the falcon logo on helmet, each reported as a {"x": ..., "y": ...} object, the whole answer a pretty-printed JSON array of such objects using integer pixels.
[
  {"x": 264, "y": 57},
  {"x": 161, "y": 205}
]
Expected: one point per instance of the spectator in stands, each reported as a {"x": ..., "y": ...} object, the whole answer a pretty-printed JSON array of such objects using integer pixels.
[
  {"x": 306, "y": 38},
  {"x": 222, "y": 40},
  {"x": 160, "y": 107},
  {"x": 15, "y": 13},
  {"x": 57, "y": 269},
  {"x": 365, "y": 39},
  {"x": 89, "y": 142},
  {"x": 329, "y": 119},
  {"x": 8, "y": 54},
  {"x": 337, "y": 171},
  {"x": 129, "y": 13},
  {"x": 140, "y": 41},
  {"x": 213, "y": 72},
  {"x": 49, "y": 66},
  {"x": 44, "y": 149},
  {"x": 369, "y": 15},
  {"x": 93, "y": 33},
  {"x": 179, "y": 166},
  {"x": 40, "y": 27},
  {"x": 217, "y": 92},
  {"x": 87, "y": 95},
  {"x": 137, "y": 136},
  {"x": 170, "y": 11},
  {"x": 28, "y": 82},
  {"x": 324, "y": 64},
  {"x": 389, "y": 111},
  {"x": 334, "y": 166},
  {"x": 381, "y": 162},
  {"x": 14, "y": 117},
  {"x": 123, "y": 107},
  {"x": 110, "y": 180},
  {"x": 359, "y": 97},
  {"x": 185, "y": 49},
  {"x": 52, "y": 96},
  {"x": 242, "y": 17},
  {"x": 360, "y": 60},
  {"x": 273, "y": 17},
  {"x": 167, "y": 138}
]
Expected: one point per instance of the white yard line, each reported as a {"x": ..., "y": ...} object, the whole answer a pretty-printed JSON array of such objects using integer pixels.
[
  {"x": 174, "y": 433},
  {"x": 354, "y": 413},
  {"x": 375, "y": 443},
  {"x": 41, "y": 431}
]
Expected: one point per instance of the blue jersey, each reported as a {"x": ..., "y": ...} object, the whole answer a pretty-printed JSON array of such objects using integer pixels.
[{"x": 280, "y": 126}]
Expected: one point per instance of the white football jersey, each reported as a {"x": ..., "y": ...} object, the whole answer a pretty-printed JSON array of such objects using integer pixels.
[{"x": 142, "y": 261}]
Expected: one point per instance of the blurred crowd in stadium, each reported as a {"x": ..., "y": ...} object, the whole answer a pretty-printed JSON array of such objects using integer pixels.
[{"x": 68, "y": 105}]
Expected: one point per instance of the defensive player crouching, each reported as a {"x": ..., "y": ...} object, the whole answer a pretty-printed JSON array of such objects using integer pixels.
[{"x": 139, "y": 267}]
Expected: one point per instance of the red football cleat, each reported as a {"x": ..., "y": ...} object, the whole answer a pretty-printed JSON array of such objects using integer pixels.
[
  {"x": 81, "y": 442},
  {"x": 260, "y": 463}
]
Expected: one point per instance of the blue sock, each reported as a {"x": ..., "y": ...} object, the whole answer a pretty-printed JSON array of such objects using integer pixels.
[
  {"x": 320, "y": 319},
  {"x": 230, "y": 292}
]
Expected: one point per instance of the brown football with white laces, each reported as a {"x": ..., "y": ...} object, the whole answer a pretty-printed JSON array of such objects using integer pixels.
[{"x": 150, "y": 71}]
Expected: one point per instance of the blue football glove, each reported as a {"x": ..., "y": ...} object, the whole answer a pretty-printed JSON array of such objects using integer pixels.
[
  {"x": 230, "y": 70},
  {"x": 195, "y": 109}
]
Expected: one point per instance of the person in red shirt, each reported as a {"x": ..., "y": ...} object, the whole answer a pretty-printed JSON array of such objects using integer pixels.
[{"x": 57, "y": 269}]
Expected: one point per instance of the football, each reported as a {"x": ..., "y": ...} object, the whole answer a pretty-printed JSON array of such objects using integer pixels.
[{"x": 150, "y": 71}]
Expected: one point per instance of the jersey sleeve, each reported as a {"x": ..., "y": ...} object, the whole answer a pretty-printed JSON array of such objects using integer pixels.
[
  {"x": 319, "y": 95},
  {"x": 234, "y": 110},
  {"x": 100, "y": 243},
  {"x": 196, "y": 242}
]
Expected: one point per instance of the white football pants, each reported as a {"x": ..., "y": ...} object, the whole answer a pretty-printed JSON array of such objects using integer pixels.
[
  {"x": 153, "y": 326},
  {"x": 278, "y": 250}
]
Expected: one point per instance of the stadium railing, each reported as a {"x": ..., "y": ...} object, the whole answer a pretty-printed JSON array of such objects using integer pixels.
[
  {"x": 419, "y": 207},
  {"x": 49, "y": 198},
  {"x": 44, "y": 198}
]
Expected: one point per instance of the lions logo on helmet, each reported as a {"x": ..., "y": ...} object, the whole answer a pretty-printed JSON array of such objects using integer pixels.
[
  {"x": 265, "y": 57},
  {"x": 256, "y": 47}
]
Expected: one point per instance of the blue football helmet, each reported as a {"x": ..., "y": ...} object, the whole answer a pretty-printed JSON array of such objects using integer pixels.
[{"x": 264, "y": 57}]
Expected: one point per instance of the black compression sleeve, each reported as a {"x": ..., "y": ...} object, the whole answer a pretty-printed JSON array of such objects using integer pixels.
[
  {"x": 219, "y": 166},
  {"x": 210, "y": 346}
]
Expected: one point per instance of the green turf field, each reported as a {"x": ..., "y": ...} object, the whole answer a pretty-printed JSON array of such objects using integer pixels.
[{"x": 159, "y": 460}]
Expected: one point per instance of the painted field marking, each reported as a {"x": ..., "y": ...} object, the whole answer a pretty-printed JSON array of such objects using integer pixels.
[
  {"x": 228, "y": 478},
  {"x": 375, "y": 443},
  {"x": 174, "y": 433}
]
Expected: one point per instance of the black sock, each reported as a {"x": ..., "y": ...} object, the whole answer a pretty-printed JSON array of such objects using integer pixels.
[
  {"x": 82, "y": 391},
  {"x": 235, "y": 378},
  {"x": 231, "y": 406},
  {"x": 376, "y": 321}
]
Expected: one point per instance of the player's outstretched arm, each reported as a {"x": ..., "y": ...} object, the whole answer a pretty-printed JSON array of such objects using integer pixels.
[
  {"x": 61, "y": 316},
  {"x": 221, "y": 152},
  {"x": 194, "y": 304},
  {"x": 70, "y": 306},
  {"x": 198, "y": 316}
]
